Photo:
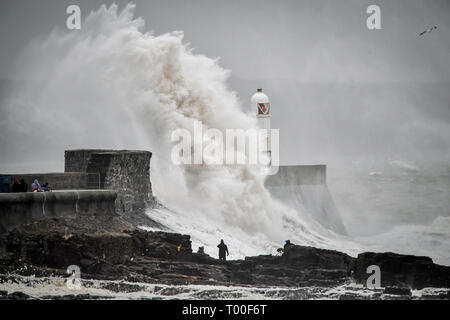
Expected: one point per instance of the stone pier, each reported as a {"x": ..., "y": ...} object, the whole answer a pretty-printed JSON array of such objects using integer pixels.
[
  {"x": 125, "y": 171},
  {"x": 26, "y": 207}
]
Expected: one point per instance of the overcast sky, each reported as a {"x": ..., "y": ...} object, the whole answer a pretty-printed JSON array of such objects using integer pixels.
[
  {"x": 312, "y": 41},
  {"x": 337, "y": 88}
]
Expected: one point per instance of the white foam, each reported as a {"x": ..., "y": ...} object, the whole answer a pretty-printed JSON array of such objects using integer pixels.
[{"x": 112, "y": 85}]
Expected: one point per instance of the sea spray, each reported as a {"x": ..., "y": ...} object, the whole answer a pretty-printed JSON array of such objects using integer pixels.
[{"x": 111, "y": 85}]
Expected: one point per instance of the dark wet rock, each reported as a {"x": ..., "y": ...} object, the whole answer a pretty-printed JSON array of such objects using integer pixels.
[
  {"x": 264, "y": 260},
  {"x": 74, "y": 297},
  {"x": 352, "y": 296},
  {"x": 18, "y": 296},
  {"x": 117, "y": 251},
  {"x": 440, "y": 296},
  {"x": 403, "y": 270},
  {"x": 121, "y": 287},
  {"x": 95, "y": 253},
  {"x": 310, "y": 257},
  {"x": 397, "y": 291}
]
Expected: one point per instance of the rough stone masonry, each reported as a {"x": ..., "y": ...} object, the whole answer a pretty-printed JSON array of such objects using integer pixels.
[{"x": 126, "y": 171}]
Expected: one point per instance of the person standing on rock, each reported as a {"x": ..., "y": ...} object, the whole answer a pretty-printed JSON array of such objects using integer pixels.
[{"x": 222, "y": 250}]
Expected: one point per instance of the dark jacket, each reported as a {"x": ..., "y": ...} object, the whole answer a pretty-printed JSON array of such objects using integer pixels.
[
  {"x": 222, "y": 249},
  {"x": 287, "y": 245},
  {"x": 23, "y": 186},
  {"x": 15, "y": 186}
]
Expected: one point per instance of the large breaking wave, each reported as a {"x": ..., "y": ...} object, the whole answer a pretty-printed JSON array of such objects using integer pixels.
[{"x": 112, "y": 85}]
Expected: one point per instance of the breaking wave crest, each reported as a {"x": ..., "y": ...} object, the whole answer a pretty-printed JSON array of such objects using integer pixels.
[{"x": 112, "y": 85}]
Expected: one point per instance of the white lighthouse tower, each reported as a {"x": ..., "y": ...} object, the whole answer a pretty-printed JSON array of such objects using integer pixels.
[{"x": 261, "y": 104}]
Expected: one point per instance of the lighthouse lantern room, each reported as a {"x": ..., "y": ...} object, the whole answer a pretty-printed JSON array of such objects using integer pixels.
[{"x": 260, "y": 102}]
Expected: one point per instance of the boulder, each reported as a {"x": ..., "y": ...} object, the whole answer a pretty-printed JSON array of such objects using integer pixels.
[
  {"x": 310, "y": 257},
  {"x": 403, "y": 270},
  {"x": 397, "y": 291}
]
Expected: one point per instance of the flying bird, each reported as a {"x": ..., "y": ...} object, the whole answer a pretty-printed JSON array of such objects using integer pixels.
[{"x": 427, "y": 31}]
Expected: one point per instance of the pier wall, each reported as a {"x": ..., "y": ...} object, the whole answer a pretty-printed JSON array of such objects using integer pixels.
[
  {"x": 60, "y": 180},
  {"x": 125, "y": 171},
  {"x": 304, "y": 187},
  {"x": 23, "y": 208}
]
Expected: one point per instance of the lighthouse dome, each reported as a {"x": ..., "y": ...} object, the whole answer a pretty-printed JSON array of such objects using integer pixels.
[{"x": 260, "y": 97}]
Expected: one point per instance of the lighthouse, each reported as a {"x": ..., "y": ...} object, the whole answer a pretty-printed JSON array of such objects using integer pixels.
[{"x": 261, "y": 104}]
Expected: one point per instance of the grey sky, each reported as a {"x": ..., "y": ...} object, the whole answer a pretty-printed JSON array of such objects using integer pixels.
[
  {"x": 307, "y": 40},
  {"x": 337, "y": 89}
]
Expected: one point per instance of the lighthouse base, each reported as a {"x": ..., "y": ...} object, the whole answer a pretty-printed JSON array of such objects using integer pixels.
[{"x": 305, "y": 187}]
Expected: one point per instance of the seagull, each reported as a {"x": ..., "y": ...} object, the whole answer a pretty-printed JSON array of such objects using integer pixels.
[{"x": 427, "y": 31}]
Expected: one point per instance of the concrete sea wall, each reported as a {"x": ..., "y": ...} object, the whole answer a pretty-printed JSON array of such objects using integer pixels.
[
  {"x": 24, "y": 208},
  {"x": 304, "y": 187},
  {"x": 60, "y": 180},
  {"x": 121, "y": 179},
  {"x": 126, "y": 174}
]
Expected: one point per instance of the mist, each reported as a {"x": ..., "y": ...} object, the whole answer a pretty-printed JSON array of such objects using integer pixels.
[
  {"x": 372, "y": 105},
  {"x": 338, "y": 90}
]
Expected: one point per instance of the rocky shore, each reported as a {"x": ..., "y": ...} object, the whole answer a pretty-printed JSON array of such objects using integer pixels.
[{"x": 123, "y": 257}]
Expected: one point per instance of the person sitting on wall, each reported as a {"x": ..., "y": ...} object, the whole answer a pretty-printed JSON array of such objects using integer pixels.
[
  {"x": 4, "y": 184},
  {"x": 23, "y": 187},
  {"x": 46, "y": 187},
  {"x": 16, "y": 186},
  {"x": 35, "y": 186}
]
